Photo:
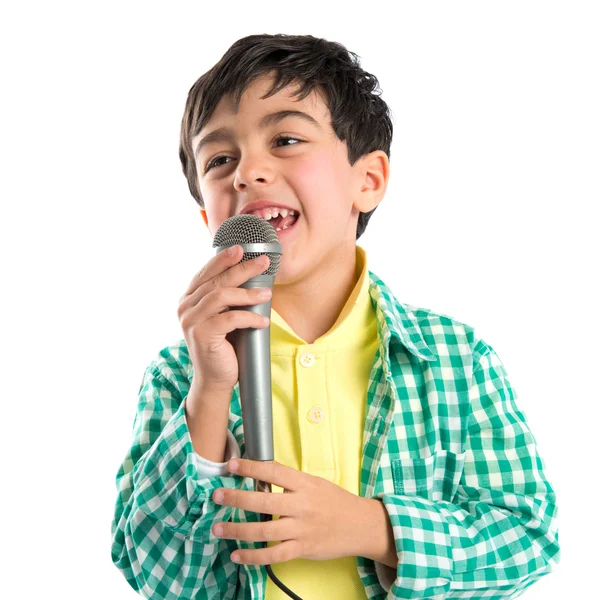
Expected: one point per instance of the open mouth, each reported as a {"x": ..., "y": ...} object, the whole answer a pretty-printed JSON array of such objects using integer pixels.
[{"x": 281, "y": 223}]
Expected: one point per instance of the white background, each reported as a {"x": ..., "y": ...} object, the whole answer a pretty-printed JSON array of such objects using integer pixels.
[{"x": 491, "y": 216}]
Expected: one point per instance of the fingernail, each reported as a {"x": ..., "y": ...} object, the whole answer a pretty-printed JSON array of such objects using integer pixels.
[
  {"x": 218, "y": 496},
  {"x": 232, "y": 465},
  {"x": 265, "y": 292}
]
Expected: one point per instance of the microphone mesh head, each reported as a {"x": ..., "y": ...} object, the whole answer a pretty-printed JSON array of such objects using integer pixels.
[{"x": 249, "y": 229}]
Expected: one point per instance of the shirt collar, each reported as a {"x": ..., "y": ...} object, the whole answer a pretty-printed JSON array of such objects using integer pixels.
[
  {"x": 353, "y": 325},
  {"x": 396, "y": 320}
]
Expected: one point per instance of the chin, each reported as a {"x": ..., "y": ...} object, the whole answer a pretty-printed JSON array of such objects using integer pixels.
[
  {"x": 283, "y": 273},
  {"x": 287, "y": 275}
]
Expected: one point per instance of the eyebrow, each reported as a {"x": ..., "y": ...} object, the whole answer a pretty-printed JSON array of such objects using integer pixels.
[{"x": 224, "y": 135}]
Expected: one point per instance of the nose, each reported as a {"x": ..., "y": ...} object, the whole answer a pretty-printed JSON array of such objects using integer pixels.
[{"x": 251, "y": 170}]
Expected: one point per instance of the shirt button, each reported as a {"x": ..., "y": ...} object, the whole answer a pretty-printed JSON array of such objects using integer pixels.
[
  {"x": 316, "y": 414},
  {"x": 307, "y": 360}
]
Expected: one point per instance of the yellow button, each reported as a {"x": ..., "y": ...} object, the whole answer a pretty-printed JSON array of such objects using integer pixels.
[
  {"x": 316, "y": 414},
  {"x": 307, "y": 360}
]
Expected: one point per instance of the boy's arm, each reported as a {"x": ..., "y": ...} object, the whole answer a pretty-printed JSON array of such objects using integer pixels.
[
  {"x": 161, "y": 537},
  {"x": 500, "y": 533}
]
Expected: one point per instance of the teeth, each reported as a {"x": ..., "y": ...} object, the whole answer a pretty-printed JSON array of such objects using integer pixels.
[{"x": 275, "y": 212}]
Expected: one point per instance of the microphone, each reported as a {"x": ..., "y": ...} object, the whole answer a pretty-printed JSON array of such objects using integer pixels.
[{"x": 253, "y": 346}]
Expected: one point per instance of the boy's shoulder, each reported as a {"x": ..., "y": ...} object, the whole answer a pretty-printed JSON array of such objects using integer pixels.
[{"x": 425, "y": 328}]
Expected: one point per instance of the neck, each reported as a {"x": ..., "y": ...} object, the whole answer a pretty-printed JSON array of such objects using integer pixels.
[{"x": 327, "y": 288}]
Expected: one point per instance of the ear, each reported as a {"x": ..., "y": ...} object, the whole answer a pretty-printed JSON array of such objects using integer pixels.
[
  {"x": 204, "y": 217},
  {"x": 373, "y": 174}
]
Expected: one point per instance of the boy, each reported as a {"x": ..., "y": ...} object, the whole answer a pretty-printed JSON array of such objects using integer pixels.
[{"x": 407, "y": 467}]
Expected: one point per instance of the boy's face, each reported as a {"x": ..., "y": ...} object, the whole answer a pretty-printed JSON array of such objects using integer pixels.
[{"x": 311, "y": 175}]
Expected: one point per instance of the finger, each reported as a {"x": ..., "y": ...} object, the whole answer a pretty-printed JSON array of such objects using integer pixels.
[
  {"x": 269, "y": 556},
  {"x": 232, "y": 276},
  {"x": 268, "y": 471},
  {"x": 258, "y": 502},
  {"x": 225, "y": 323},
  {"x": 240, "y": 272},
  {"x": 217, "y": 264},
  {"x": 266, "y": 531},
  {"x": 223, "y": 298}
]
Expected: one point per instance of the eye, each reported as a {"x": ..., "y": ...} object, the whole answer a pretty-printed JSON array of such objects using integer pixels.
[
  {"x": 287, "y": 138},
  {"x": 213, "y": 163}
]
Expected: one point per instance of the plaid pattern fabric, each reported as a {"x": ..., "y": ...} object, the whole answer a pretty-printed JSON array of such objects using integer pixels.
[{"x": 445, "y": 448}]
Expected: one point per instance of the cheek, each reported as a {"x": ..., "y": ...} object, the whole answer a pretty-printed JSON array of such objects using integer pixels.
[
  {"x": 217, "y": 203},
  {"x": 318, "y": 174}
]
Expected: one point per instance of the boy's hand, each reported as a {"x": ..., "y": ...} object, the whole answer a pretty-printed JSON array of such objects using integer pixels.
[
  {"x": 206, "y": 319},
  {"x": 317, "y": 518}
]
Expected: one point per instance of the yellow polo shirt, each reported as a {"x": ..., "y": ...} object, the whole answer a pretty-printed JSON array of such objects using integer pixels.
[{"x": 319, "y": 409}]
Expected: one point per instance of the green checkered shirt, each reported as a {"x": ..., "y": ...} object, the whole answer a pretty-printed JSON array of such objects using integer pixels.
[{"x": 445, "y": 448}]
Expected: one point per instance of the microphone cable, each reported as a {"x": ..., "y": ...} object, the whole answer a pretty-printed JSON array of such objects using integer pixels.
[{"x": 265, "y": 486}]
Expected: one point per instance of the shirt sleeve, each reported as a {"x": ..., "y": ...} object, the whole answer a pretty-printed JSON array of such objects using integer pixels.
[
  {"x": 500, "y": 533},
  {"x": 208, "y": 468},
  {"x": 161, "y": 538}
]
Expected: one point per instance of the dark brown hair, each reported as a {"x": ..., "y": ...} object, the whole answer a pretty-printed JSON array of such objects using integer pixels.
[{"x": 358, "y": 113}]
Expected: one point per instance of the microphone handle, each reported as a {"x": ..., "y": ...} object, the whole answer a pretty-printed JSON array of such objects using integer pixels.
[{"x": 253, "y": 349}]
